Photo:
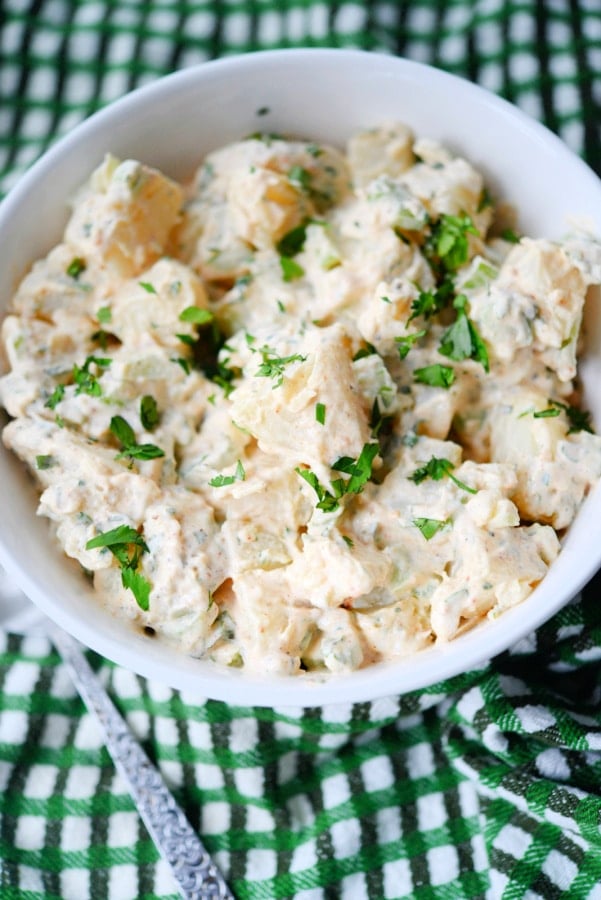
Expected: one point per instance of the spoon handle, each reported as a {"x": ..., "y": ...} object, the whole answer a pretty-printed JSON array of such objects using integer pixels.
[{"x": 196, "y": 874}]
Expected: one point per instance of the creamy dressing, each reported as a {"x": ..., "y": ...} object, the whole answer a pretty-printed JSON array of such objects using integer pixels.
[{"x": 313, "y": 410}]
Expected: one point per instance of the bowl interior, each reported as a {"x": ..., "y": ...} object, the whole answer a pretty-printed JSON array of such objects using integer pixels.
[{"x": 325, "y": 95}]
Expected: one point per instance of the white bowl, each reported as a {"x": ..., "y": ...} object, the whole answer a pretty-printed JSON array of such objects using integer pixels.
[{"x": 325, "y": 95}]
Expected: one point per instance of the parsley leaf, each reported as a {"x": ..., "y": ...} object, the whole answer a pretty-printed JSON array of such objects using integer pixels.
[
  {"x": 291, "y": 270},
  {"x": 428, "y": 303},
  {"x": 300, "y": 178},
  {"x": 327, "y": 501},
  {"x": 430, "y": 527},
  {"x": 377, "y": 421},
  {"x": 359, "y": 471},
  {"x": 406, "y": 342},
  {"x": 579, "y": 419},
  {"x": 86, "y": 381},
  {"x": 222, "y": 480},
  {"x": 550, "y": 413},
  {"x": 55, "y": 397},
  {"x": 138, "y": 585},
  {"x": 104, "y": 314},
  {"x": 76, "y": 267},
  {"x": 436, "y": 469},
  {"x": 435, "y": 375},
  {"x": 44, "y": 462},
  {"x": 293, "y": 241},
  {"x": 367, "y": 350},
  {"x": 127, "y": 546},
  {"x": 125, "y": 434},
  {"x": 148, "y": 287},
  {"x": 447, "y": 246},
  {"x": 273, "y": 366},
  {"x": 196, "y": 315},
  {"x": 461, "y": 340},
  {"x": 149, "y": 412},
  {"x": 320, "y": 413}
]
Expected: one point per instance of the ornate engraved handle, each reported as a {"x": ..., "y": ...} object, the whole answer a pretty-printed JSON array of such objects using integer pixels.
[{"x": 197, "y": 876}]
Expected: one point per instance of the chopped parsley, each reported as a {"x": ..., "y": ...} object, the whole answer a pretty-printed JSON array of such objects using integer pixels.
[
  {"x": 300, "y": 178},
  {"x": 149, "y": 412},
  {"x": 127, "y": 546},
  {"x": 86, "y": 381},
  {"x": 430, "y": 527},
  {"x": 461, "y": 340},
  {"x": 579, "y": 419},
  {"x": 273, "y": 366},
  {"x": 377, "y": 422},
  {"x": 125, "y": 434},
  {"x": 183, "y": 362},
  {"x": 148, "y": 287},
  {"x": 55, "y": 397},
  {"x": 320, "y": 413},
  {"x": 447, "y": 245},
  {"x": 486, "y": 199},
  {"x": 293, "y": 241},
  {"x": 104, "y": 315},
  {"x": 436, "y": 469},
  {"x": 291, "y": 270},
  {"x": 550, "y": 413},
  {"x": 196, "y": 315},
  {"x": 367, "y": 350},
  {"x": 359, "y": 470},
  {"x": 511, "y": 236},
  {"x": 44, "y": 461},
  {"x": 223, "y": 480},
  {"x": 405, "y": 342},
  {"x": 435, "y": 375},
  {"x": 76, "y": 267},
  {"x": 428, "y": 303}
]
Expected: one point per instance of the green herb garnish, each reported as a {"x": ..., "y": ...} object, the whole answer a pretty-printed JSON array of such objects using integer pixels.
[
  {"x": 55, "y": 397},
  {"x": 222, "y": 480},
  {"x": 579, "y": 419},
  {"x": 125, "y": 434},
  {"x": 293, "y": 241},
  {"x": 86, "y": 381},
  {"x": 435, "y": 375},
  {"x": 320, "y": 413},
  {"x": 127, "y": 546},
  {"x": 406, "y": 342},
  {"x": 430, "y": 527},
  {"x": 149, "y": 412},
  {"x": 44, "y": 461},
  {"x": 273, "y": 366},
  {"x": 148, "y": 287},
  {"x": 359, "y": 471},
  {"x": 447, "y": 246},
  {"x": 436, "y": 469},
  {"x": 104, "y": 315},
  {"x": 428, "y": 303},
  {"x": 291, "y": 270},
  {"x": 76, "y": 267},
  {"x": 300, "y": 178},
  {"x": 550, "y": 413},
  {"x": 196, "y": 315},
  {"x": 461, "y": 340}
]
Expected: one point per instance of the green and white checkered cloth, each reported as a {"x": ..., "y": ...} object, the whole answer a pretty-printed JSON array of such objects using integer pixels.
[{"x": 487, "y": 786}]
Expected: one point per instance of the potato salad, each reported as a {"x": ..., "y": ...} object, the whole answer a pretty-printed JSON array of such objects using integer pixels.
[{"x": 313, "y": 410}]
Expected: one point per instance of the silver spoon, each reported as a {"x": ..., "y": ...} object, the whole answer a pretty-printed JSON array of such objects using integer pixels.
[{"x": 197, "y": 876}]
